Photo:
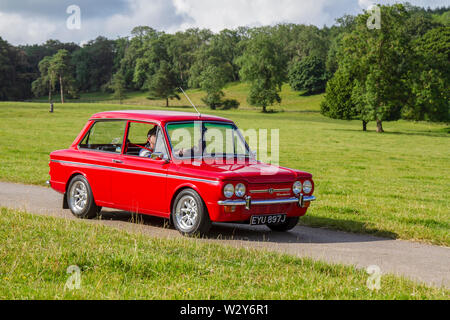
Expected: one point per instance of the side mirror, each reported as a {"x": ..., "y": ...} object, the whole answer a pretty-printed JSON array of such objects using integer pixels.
[{"x": 253, "y": 155}]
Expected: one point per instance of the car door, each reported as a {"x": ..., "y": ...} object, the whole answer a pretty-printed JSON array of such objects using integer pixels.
[
  {"x": 98, "y": 153},
  {"x": 142, "y": 181}
]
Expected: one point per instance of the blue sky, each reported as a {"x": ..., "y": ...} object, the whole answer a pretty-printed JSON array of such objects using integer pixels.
[{"x": 35, "y": 21}]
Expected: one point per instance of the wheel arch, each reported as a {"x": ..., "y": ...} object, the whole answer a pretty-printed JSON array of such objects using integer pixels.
[
  {"x": 73, "y": 175},
  {"x": 180, "y": 189}
]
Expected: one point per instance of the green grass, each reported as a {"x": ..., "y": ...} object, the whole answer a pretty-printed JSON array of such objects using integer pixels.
[
  {"x": 36, "y": 251},
  {"x": 292, "y": 100},
  {"x": 394, "y": 184}
]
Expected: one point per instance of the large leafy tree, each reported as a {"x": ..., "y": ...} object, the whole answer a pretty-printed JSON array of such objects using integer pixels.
[
  {"x": 62, "y": 69},
  {"x": 430, "y": 77},
  {"x": 94, "y": 64},
  {"x": 263, "y": 65},
  {"x": 308, "y": 75},
  {"x": 163, "y": 84},
  {"x": 15, "y": 78},
  {"x": 221, "y": 52},
  {"x": 47, "y": 80},
  {"x": 378, "y": 61},
  {"x": 212, "y": 81}
]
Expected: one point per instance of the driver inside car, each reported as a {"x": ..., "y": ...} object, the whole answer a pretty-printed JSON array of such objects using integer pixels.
[{"x": 151, "y": 143}]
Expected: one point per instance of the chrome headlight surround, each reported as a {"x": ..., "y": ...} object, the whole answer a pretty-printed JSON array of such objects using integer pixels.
[
  {"x": 240, "y": 190},
  {"x": 297, "y": 188},
  {"x": 307, "y": 187},
  {"x": 228, "y": 190}
]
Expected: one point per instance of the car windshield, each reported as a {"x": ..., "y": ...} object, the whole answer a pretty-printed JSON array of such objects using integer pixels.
[{"x": 206, "y": 139}]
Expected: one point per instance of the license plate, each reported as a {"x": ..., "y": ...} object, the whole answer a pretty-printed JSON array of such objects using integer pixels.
[{"x": 268, "y": 219}]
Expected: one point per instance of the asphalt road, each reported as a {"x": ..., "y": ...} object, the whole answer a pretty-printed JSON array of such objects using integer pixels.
[{"x": 417, "y": 261}]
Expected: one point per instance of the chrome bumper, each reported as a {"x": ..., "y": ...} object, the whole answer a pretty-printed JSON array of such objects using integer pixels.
[{"x": 248, "y": 202}]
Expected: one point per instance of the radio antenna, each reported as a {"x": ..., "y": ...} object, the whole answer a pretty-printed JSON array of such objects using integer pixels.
[{"x": 199, "y": 114}]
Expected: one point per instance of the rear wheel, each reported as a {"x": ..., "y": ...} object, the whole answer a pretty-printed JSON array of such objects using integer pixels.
[
  {"x": 189, "y": 214},
  {"x": 290, "y": 224},
  {"x": 80, "y": 199}
]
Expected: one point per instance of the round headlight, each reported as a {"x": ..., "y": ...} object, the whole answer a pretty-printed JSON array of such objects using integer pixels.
[
  {"x": 297, "y": 188},
  {"x": 240, "y": 190},
  {"x": 307, "y": 187},
  {"x": 228, "y": 191}
]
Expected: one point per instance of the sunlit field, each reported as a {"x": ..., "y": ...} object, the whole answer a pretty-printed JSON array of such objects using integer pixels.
[{"x": 394, "y": 184}]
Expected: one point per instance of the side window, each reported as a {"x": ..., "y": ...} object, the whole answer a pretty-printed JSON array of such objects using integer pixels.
[
  {"x": 145, "y": 139},
  {"x": 105, "y": 136}
]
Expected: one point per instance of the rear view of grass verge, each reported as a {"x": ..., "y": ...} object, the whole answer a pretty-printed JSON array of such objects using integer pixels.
[{"x": 36, "y": 251}]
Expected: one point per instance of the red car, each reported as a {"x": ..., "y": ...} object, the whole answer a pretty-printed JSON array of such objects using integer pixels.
[{"x": 173, "y": 165}]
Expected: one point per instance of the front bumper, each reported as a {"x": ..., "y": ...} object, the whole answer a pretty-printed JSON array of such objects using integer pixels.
[{"x": 248, "y": 202}]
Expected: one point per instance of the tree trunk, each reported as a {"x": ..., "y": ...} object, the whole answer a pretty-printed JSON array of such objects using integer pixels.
[
  {"x": 50, "y": 91},
  {"x": 264, "y": 109},
  {"x": 62, "y": 89},
  {"x": 380, "y": 126},
  {"x": 365, "y": 126},
  {"x": 167, "y": 102}
]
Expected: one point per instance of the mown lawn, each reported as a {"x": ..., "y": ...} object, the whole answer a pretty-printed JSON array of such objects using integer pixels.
[
  {"x": 36, "y": 251},
  {"x": 395, "y": 184}
]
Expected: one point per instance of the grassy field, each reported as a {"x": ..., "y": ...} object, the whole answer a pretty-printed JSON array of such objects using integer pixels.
[
  {"x": 36, "y": 252},
  {"x": 396, "y": 184},
  {"x": 292, "y": 101}
]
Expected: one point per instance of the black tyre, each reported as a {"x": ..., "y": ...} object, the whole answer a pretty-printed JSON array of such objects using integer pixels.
[
  {"x": 189, "y": 214},
  {"x": 80, "y": 199},
  {"x": 290, "y": 224}
]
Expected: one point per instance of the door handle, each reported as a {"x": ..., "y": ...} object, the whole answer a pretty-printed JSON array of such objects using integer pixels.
[{"x": 117, "y": 161}]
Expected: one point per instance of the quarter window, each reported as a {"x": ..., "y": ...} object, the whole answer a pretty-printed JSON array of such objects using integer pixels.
[{"x": 105, "y": 136}]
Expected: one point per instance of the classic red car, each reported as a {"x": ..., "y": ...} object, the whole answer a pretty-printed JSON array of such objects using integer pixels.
[{"x": 172, "y": 165}]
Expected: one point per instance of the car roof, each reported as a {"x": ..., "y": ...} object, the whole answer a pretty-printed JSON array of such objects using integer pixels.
[{"x": 156, "y": 116}]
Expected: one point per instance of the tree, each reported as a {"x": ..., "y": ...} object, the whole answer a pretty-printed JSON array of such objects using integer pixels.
[
  {"x": 118, "y": 86},
  {"x": 212, "y": 81},
  {"x": 308, "y": 74},
  {"x": 61, "y": 68},
  {"x": 46, "y": 82},
  {"x": 343, "y": 99},
  {"x": 378, "y": 60},
  {"x": 263, "y": 64},
  {"x": 163, "y": 84},
  {"x": 94, "y": 64},
  {"x": 430, "y": 77}
]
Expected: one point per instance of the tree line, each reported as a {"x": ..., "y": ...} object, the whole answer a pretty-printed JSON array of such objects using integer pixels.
[{"x": 398, "y": 71}]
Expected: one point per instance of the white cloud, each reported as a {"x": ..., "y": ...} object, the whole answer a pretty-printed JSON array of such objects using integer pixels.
[
  {"x": 20, "y": 25},
  {"x": 217, "y": 15},
  {"x": 18, "y": 29},
  {"x": 365, "y": 4}
]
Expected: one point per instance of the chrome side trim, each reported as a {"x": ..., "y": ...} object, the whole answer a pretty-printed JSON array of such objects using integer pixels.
[
  {"x": 265, "y": 202},
  {"x": 154, "y": 174}
]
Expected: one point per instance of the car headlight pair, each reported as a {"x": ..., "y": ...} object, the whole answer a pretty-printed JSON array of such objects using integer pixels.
[
  {"x": 298, "y": 187},
  {"x": 230, "y": 190}
]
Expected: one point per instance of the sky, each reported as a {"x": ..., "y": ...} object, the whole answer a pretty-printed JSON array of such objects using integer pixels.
[{"x": 36, "y": 21}]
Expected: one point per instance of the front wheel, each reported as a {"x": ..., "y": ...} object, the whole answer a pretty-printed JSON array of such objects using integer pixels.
[
  {"x": 189, "y": 214},
  {"x": 289, "y": 224},
  {"x": 80, "y": 199}
]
